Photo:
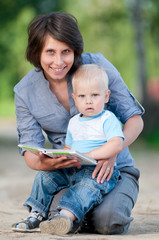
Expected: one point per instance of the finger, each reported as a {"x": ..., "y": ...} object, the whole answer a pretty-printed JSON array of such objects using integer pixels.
[
  {"x": 61, "y": 162},
  {"x": 102, "y": 174},
  {"x": 110, "y": 174},
  {"x": 73, "y": 164},
  {"x": 59, "y": 166},
  {"x": 96, "y": 170},
  {"x": 105, "y": 176},
  {"x": 70, "y": 163}
]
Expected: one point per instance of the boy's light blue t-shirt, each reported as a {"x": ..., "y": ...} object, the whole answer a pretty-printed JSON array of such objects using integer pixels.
[{"x": 86, "y": 134}]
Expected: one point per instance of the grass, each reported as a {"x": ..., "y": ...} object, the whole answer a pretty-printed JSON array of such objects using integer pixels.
[{"x": 7, "y": 108}]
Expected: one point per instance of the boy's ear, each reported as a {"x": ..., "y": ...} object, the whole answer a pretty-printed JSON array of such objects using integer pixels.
[
  {"x": 107, "y": 94},
  {"x": 74, "y": 97}
]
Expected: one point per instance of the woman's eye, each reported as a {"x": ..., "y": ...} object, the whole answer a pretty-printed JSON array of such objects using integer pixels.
[
  {"x": 50, "y": 51},
  {"x": 66, "y": 51}
]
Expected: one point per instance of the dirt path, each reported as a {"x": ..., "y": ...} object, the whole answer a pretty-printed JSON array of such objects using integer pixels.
[{"x": 16, "y": 181}]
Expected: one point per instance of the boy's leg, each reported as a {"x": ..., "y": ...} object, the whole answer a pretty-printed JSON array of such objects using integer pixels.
[
  {"x": 112, "y": 216},
  {"x": 83, "y": 195},
  {"x": 44, "y": 187},
  {"x": 86, "y": 192},
  {"x": 46, "y": 183}
]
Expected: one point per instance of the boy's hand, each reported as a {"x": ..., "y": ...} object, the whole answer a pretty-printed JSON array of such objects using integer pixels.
[{"x": 104, "y": 169}]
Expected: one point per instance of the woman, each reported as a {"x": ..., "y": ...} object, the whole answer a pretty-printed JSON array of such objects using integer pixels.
[{"x": 43, "y": 102}]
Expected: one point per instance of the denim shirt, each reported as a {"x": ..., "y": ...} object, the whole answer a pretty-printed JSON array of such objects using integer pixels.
[{"x": 39, "y": 111}]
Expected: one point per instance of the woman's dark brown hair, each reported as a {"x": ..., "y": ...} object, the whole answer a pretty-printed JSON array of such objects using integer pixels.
[{"x": 62, "y": 27}]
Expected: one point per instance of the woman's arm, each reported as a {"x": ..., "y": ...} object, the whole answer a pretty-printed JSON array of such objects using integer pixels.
[{"x": 132, "y": 129}]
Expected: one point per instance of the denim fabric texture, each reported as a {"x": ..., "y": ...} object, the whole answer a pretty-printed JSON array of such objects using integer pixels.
[
  {"x": 83, "y": 193},
  {"x": 113, "y": 215}
]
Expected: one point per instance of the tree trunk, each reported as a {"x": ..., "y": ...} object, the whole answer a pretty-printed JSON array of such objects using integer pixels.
[
  {"x": 137, "y": 17},
  {"x": 151, "y": 106}
]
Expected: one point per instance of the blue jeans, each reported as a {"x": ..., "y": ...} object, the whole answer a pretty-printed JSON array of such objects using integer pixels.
[
  {"x": 113, "y": 215},
  {"x": 83, "y": 193}
]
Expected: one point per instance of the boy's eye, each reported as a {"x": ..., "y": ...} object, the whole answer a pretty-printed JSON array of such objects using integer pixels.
[
  {"x": 81, "y": 96},
  {"x": 95, "y": 94}
]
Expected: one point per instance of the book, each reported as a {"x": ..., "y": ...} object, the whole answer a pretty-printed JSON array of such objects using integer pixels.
[{"x": 54, "y": 153}]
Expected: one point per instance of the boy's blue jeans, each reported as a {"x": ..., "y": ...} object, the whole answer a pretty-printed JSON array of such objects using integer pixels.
[{"x": 82, "y": 195}]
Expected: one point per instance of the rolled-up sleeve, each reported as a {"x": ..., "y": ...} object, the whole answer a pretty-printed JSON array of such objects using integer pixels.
[
  {"x": 122, "y": 102},
  {"x": 29, "y": 131}
]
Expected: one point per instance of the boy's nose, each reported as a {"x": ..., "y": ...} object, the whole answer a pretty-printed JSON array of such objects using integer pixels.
[{"x": 88, "y": 99}]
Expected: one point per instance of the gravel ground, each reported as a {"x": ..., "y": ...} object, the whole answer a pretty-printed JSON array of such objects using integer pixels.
[{"x": 16, "y": 181}]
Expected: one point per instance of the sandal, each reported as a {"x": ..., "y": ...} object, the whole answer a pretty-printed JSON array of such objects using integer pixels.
[
  {"x": 31, "y": 224},
  {"x": 58, "y": 225}
]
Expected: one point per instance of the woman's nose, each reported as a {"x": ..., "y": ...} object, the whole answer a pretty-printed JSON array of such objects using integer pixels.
[{"x": 58, "y": 59}]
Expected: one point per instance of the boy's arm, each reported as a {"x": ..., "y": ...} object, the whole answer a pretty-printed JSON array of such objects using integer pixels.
[
  {"x": 108, "y": 150},
  {"x": 131, "y": 130}
]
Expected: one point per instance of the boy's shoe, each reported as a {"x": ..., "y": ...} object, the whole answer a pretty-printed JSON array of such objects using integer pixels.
[
  {"x": 31, "y": 224},
  {"x": 59, "y": 225}
]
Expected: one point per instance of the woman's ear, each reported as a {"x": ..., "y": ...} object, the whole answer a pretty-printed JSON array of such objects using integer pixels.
[{"x": 107, "y": 94}]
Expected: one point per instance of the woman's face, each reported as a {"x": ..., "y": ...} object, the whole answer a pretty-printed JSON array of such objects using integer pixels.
[{"x": 56, "y": 59}]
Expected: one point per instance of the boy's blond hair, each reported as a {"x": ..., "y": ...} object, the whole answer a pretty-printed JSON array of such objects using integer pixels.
[{"x": 89, "y": 73}]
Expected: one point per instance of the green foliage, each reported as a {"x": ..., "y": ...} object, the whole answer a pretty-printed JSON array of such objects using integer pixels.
[
  {"x": 152, "y": 16},
  {"x": 7, "y": 108},
  {"x": 152, "y": 139},
  {"x": 15, "y": 17},
  {"x": 106, "y": 26},
  {"x": 13, "y": 41}
]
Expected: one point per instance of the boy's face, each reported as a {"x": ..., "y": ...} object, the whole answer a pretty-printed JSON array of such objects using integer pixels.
[{"x": 90, "y": 98}]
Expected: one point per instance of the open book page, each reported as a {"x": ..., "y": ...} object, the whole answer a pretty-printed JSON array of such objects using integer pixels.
[{"x": 54, "y": 153}]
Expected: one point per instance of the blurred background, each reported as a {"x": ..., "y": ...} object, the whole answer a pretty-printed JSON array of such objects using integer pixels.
[{"x": 126, "y": 32}]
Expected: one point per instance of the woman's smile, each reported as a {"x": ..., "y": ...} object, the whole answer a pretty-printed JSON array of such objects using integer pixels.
[{"x": 56, "y": 59}]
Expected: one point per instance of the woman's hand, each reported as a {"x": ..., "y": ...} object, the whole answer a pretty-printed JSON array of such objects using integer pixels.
[
  {"x": 104, "y": 169},
  {"x": 41, "y": 162}
]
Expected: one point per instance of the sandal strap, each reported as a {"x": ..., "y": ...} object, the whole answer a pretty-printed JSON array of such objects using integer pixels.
[
  {"x": 36, "y": 215},
  {"x": 32, "y": 224},
  {"x": 29, "y": 224}
]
